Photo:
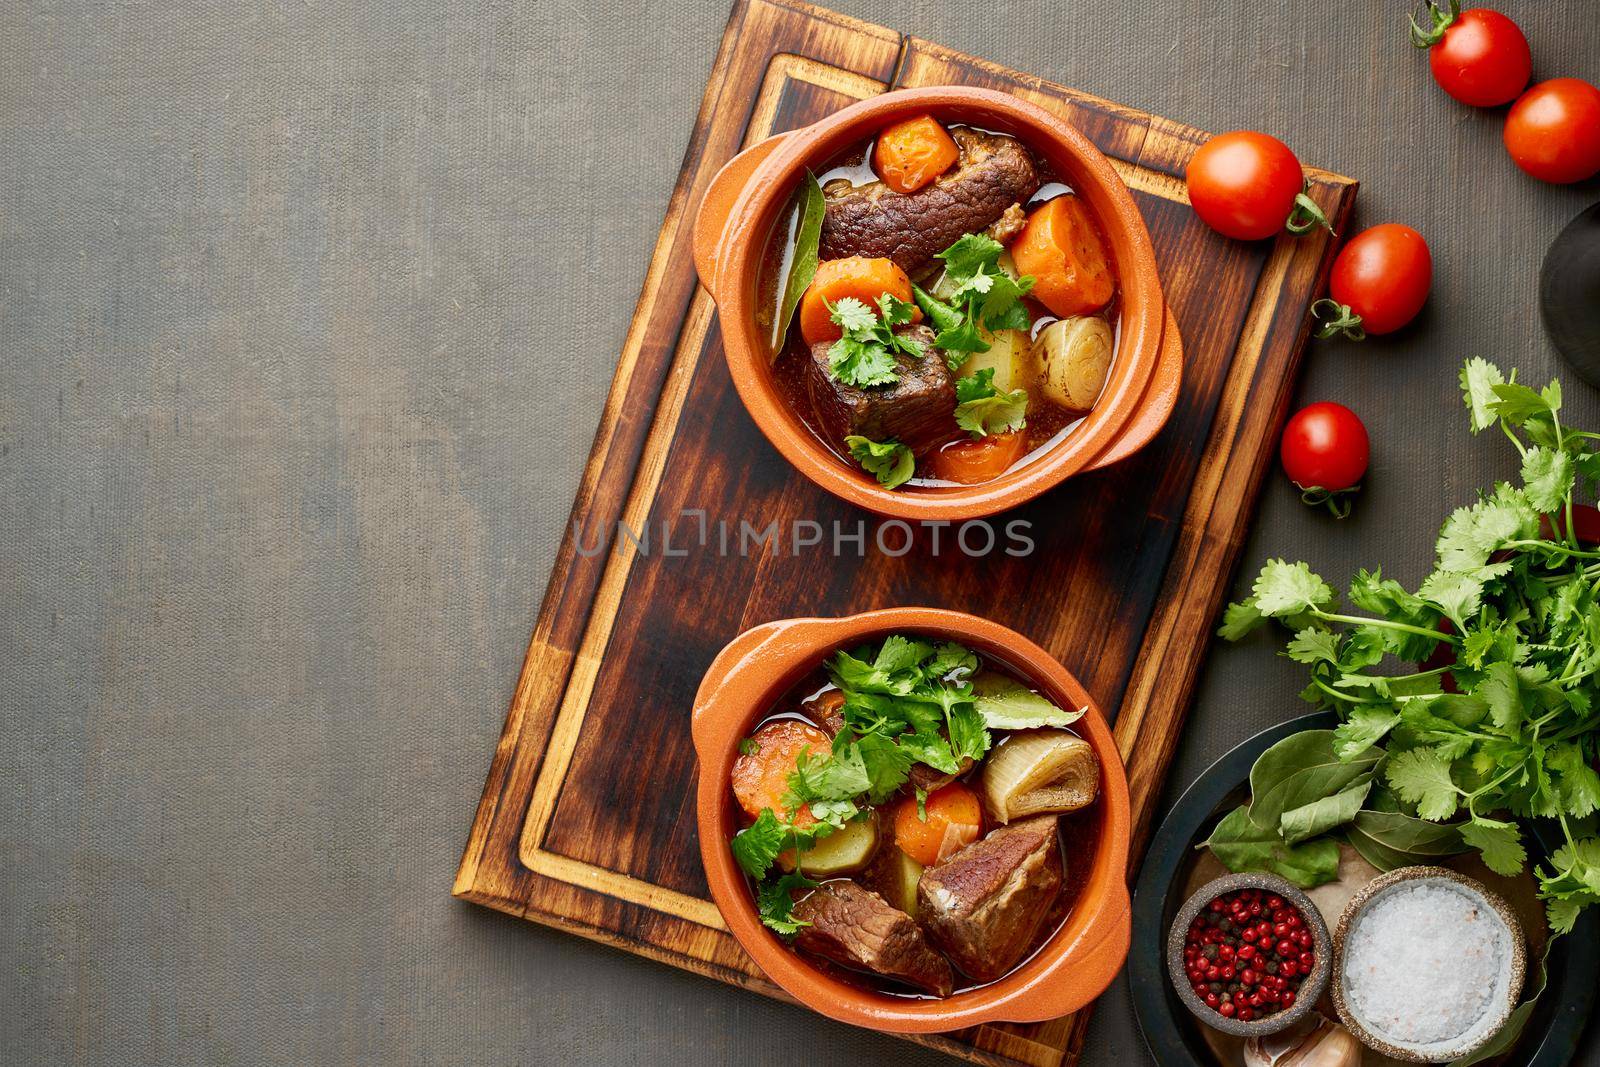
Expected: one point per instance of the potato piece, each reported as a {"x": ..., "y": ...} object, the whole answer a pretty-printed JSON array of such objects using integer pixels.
[
  {"x": 894, "y": 877},
  {"x": 1010, "y": 357},
  {"x": 843, "y": 851},
  {"x": 1073, "y": 357}
]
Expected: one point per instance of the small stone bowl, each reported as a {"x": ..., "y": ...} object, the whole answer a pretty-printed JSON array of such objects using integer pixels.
[
  {"x": 1438, "y": 1052},
  {"x": 1311, "y": 989}
]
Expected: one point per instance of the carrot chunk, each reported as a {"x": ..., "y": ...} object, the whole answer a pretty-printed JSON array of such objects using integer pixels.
[
  {"x": 955, "y": 820},
  {"x": 912, "y": 153},
  {"x": 1062, "y": 249},
  {"x": 760, "y": 777},
  {"x": 860, "y": 277},
  {"x": 969, "y": 462}
]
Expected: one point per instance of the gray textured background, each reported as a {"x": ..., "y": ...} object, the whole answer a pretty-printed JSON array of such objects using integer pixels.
[{"x": 306, "y": 314}]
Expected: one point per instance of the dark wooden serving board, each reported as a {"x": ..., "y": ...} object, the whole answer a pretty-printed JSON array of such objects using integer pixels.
[{"x": 587, "y": 819}]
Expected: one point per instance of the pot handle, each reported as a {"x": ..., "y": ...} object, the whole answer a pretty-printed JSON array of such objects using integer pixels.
[
  {"x": 1160, "y": 397},
  {"x": 716, "y": 207},
  {"x": 753, "y": 657}
]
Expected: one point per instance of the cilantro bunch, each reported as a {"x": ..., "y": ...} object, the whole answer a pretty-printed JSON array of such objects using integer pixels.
[
  {"x": 906, "y": 701},
  {"x": 1500, "y": 723},
  {"x": 868, "y": 352},
  {"x": 981, "y": 296}
]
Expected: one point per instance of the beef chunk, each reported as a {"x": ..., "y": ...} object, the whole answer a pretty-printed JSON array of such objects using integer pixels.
[
  {"x": 917, "y": 410},
  {"x": 859, "y": 929},
  {"x": 928, "y": 778},
  {"x": 993, "y": 173},
  {"x": 983, "y": 906},
  {"x": 827, "y": 711}
]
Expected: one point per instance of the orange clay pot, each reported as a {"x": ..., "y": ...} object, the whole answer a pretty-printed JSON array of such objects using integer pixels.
[
  {"x": 744, "y": 684},
  {"x": 744, "y": 202}
]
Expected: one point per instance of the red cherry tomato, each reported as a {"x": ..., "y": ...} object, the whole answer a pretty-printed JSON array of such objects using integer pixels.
[
  {"x": 1478, "y": 56},
  {"x": 1324, "y": 452},
  {"x": 1379, "y": 283},
  {"x": 1248, "y": 186},
  {"x": 1553, "y": 131}
]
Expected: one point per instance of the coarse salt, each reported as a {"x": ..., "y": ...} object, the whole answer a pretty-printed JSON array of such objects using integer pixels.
[{"x": 1428, "y": 965}]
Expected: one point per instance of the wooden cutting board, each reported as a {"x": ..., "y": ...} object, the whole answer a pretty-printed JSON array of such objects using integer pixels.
[{"x": 587, "y": 819}]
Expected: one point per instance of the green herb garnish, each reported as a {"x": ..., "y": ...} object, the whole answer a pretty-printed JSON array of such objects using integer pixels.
[
  {"x": 906, "y": 701},
  {"x": 868, "y": 352},
  {"x": 980, "y": 295},
  {"x": 981, "y": 409},
  {"x": 1505, "y": 726},
  {"x": 891, "y": 462}
]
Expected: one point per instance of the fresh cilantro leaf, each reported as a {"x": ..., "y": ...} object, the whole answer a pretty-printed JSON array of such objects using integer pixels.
[
  {"x": 968, "y": 737},
  {"x": 922, "y": 804},
  {"x": 887, "y": 766},
  {"x": 1516, "y": 404},
  {"x": 1285, "y": 588},
  {"x": 980, "y": 293},
  {"x": 1422, "y": 777},
  {"x": 756, "y": 847},
  {"x": 1577, "y": 783},
  {"x": 1240, "y": 619},
  {"x": 1500, "y": 690},
  {"x": 1365, "y": 727},
  {"x": 952, "y": 661},
  {"x": 891, "y": 462},
  {"x": 1546, "y": 477},
  {"x": 981, "y": 410},
  {"x": 1478, "y": 379},
  {"x": 1313, "y": 645},
  {"x": 775, "y": 903},
  {"x": 852, "y": 316},
  {"x": 867, "y": 353},
  {"x": 749, "y": 747},
  {"x": 1500, "y": 843}
]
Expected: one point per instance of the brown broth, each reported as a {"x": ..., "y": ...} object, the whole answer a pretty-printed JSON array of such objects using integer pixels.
[
  {"x": 1078, "y": 834},
  {"x": 1048, "y": 423}
]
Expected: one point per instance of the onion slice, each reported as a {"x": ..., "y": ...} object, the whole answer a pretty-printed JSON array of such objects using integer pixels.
[{"x": 1038, "y": 771}]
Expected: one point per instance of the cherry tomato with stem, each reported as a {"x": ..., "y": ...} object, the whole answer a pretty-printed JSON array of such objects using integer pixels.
[
  {"x": 1553, "y": 131},
  {"x": 1380, "y": 281},
  {"x": 1248, "y": 186},
  {"x": 1324, "y": 452},
  {"x": 1478, "y": 56}
]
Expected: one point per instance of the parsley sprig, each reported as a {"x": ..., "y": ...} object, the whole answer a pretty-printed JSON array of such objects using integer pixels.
[
  {"x": 868, "y": 352},
  {"x": 906, "y": 701},
  {"x": 1503, "y": 726}
]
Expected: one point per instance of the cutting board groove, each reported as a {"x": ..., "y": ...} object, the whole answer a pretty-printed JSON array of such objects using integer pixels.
[{"x": 586, "y": 821}]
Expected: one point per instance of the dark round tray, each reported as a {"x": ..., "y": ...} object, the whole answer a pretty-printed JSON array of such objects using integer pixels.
[{"x": 1173, "y": 1035}]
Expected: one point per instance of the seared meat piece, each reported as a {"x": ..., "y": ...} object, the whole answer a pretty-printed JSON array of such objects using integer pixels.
[
  {"x": 825, "y": 711},
  {"x": 857, "y": 928},
  {"x": 1010, "y": 223},
  {"x": 917, "y": 410},
  {"x": 994, "y": 172},
  {"x": 983, "y": 906},
  {"x": 927, "y": 778}
]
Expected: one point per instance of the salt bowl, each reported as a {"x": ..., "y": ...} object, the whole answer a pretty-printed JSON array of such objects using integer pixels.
[{"x": 1428, "y": 964}]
